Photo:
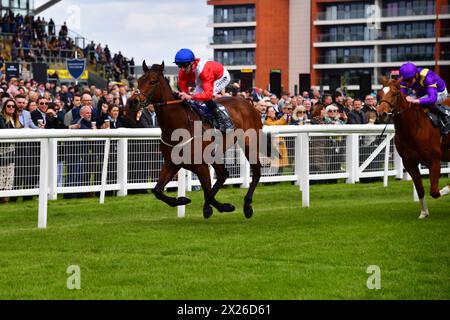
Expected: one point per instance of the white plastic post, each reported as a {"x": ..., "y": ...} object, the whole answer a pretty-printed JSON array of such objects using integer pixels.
[
  {"x": 43, "y": 184},
  {"x": 386, "y": 159},
  {"x": 415, "y": 195},
  {"x": 181, "y": 191},
  {"x": 105, "y": 170},
  {"x": 304, "y": 175},
  {"x": 298, "y": 159},
  {"x": 244, "y": 169},
  {"x": 53, "y": 169},
  {"x": 398, "y": 164},
  {"x": 352, "y": 157},
  {"x": 122, "y": 166}
]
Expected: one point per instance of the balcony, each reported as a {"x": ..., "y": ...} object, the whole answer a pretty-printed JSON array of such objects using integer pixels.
[
  {"x": 377, "y": 35},
  {"x": 404, "y": 12},
  {"x": 231, "y": 40},
  {"x": 236, "y": 61},
  {"x": 407, "y": 57},
  {"x": 327, "y": 59},
  {"x": 355, "y": 14},
  {"x": 232, "y": 18}
]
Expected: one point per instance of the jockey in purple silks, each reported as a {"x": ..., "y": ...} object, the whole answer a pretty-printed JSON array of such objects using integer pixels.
[{"x": 429, "y": 88}]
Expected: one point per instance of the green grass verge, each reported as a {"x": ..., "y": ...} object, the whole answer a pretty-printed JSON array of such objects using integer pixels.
[{"x": 136, "y": 248}]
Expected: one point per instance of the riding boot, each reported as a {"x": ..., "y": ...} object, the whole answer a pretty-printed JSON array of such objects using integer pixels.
[
  {"x": 222, "y": 117},
  {"x": 444, "y": 119}
]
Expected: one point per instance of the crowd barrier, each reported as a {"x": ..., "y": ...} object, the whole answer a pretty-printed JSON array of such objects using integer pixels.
[{"x": 53, "y": 162}]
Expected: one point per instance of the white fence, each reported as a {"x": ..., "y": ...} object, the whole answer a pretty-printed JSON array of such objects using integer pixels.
[{"x": 73, "y": 162}]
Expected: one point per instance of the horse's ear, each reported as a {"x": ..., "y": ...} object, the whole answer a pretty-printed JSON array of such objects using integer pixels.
[
  {"x": 144, "y": 67},
  {"x": 162, "y": 66},
  {"x": 384, "y": 81}
]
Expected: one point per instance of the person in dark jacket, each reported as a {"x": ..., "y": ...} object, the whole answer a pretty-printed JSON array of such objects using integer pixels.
[{"x": 356, "y": 116}]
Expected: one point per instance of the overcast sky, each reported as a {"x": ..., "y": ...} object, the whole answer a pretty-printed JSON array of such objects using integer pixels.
[{"x": 144, "y": 29}]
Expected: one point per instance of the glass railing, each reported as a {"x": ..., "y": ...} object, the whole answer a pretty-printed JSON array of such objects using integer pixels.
[
  {"x": 407, "y": 57},
  {"x": 238, "y": 17},
  {"x": 231, "y": 40},
  {"x": 353, "y": 14},
  {"x": 377, "y": 35},
  {"x": 344, "y": 59},
  {"x": 236, "y": 61},
  {"x": 414, "y": 11}
]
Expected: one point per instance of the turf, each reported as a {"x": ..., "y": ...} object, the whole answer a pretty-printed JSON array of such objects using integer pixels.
[{"x": 136, "y": 248}]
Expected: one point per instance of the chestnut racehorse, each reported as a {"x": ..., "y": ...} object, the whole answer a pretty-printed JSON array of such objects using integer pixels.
[
  {"x": 175, "y": 114},
  {"x": 416, "y": 139}
]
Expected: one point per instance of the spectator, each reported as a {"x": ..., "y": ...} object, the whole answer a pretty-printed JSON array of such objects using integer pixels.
[
  {"x": 45, "y": 117},
  {"x": 300, "y": 116},
  {"x": 356, "y": 116},
  {"x": 370, "y": 104},
  {"x": 9, "y": 120},
  {"x": 332, "y": 115}
]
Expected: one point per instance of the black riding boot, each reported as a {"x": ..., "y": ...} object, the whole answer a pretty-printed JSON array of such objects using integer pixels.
[
  {"x": 222, "y": 116},
  {"x": 444, "y": 119}
]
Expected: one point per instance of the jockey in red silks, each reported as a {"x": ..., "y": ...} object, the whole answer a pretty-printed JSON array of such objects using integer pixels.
[
  {"x": 429, "y": 88},
  {"x": 210, "y": 78}
]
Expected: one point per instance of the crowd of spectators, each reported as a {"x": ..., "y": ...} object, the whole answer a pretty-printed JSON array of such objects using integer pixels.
[
  {"x": 28, "y": 104},
  {"x": 33, "y": 39}
]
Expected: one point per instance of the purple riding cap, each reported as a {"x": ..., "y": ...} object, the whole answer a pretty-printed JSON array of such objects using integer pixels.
[{"x": 427, "y": 83}]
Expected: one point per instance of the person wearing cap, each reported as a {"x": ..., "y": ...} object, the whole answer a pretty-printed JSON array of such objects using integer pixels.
[
  {"x": 430, "y": 90},
  {"x": 210, "y": 78}
]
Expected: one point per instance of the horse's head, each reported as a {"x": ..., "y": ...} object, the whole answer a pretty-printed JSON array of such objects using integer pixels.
[
  {"x": 391, "y": 98},
  {"x": 149, "y": 89}
]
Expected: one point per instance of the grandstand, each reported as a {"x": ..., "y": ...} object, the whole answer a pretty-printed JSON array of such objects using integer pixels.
[{"x": 27, "y": 38}]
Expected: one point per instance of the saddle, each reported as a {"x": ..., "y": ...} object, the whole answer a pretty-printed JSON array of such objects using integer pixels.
[{"x": 205, "y": 114}]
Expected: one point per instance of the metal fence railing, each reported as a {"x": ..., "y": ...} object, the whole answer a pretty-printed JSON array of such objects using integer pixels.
[{"x": 49, "y": 163}]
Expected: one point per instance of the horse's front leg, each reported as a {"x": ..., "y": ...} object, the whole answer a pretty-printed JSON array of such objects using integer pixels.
[
  {"x": 202, "y": 172},
  {"x": 435, "y": 174},
  {"x": 168, "y": 171}
]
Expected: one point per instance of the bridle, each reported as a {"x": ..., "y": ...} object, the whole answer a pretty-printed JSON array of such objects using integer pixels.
[{"x": 148, "y": 98}]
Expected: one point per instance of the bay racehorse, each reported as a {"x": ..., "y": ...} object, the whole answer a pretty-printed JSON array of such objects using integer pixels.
[
  {"x": 174, "y": 114},
  {"x": 416, "y": 139}
]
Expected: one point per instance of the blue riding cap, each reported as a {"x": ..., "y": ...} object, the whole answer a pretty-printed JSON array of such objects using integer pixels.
[
  {"x": 184, "y": 55},
  {"x": 408, "y": 70}
]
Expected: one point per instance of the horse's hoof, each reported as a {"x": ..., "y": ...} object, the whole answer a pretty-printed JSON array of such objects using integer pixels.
[
  {"x": 248, "y": 211},
  {"x": 207, "y": 211},
  {"x": 181, "y": 201},
  {"x": 226, "y": 207},
  {"x": 424, "y": 214}
]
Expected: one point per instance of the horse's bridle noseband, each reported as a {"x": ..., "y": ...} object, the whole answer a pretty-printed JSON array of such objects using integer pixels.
[{"x": 148, "y": 98}]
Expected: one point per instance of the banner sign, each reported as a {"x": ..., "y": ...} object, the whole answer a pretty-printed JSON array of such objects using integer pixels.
[{"x": 76, "y": 67}]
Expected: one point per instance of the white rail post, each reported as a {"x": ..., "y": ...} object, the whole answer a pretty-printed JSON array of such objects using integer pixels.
[
  {"x": 53, "y": 169},
  {"x": 352, "y": 157},
  {"x": 304, "y": 176},
  {"x": 415, "y": 195},
  {"x": 122, "y": 166},
  {"x": 298, "y": 160},
  {"x": 43, "y": 184},
  {"x": 244, "y": 169},
  {"x": 181, "y": 191},
  {"x": 188, "y": 181},
  {"x": 398, "y": 164},
  {"x": 386, "y": 159},
  {"x": 105, "y": 170}
]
